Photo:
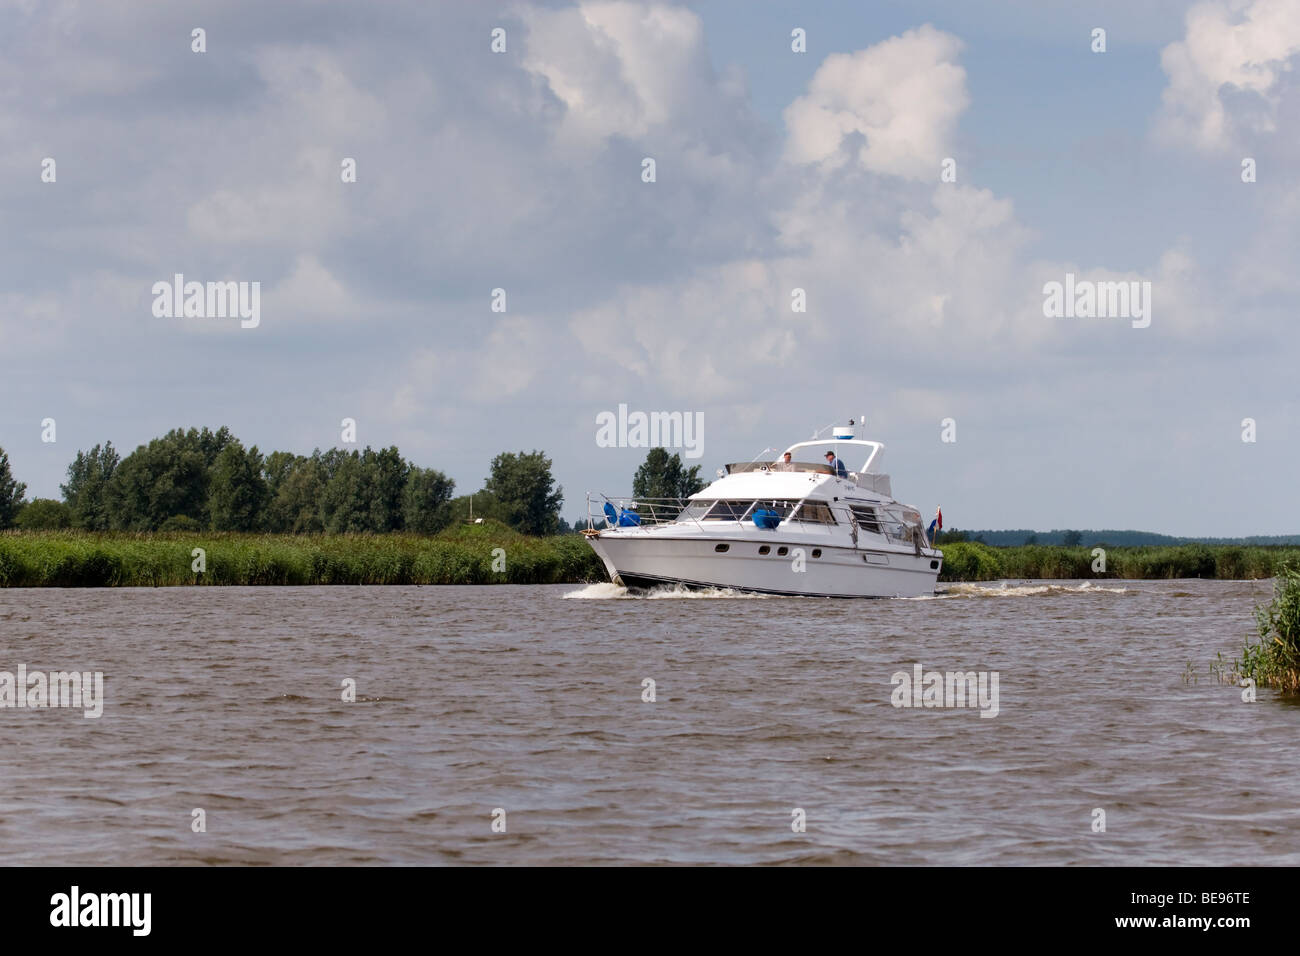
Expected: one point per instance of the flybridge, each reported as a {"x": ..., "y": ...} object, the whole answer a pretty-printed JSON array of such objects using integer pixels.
[{"x": 832, "y": 443}]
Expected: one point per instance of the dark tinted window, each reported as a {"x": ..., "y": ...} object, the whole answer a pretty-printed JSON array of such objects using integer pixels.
[
  {"x": 815, "y": 511},
  {"x": 866, "y": 516},
  {"x": 728, "y": 510},
  {"x": 694, "y": 509}
]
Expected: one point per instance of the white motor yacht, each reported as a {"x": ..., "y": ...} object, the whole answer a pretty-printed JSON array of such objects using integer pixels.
[{"x": 799, "y": 525}]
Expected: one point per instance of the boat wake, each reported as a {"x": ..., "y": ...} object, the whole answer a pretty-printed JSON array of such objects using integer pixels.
[
  {"x": 1007, "y": 589},
  {"x": 605, "y": 591}
]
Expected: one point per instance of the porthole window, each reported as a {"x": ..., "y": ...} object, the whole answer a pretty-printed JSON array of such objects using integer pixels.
[
  {"x": 782, "y": 551},
  {"x": 934, "y": 565},
  {"x": 721, "y": 547},
  {"x": 817, "y": 552},
  {"x": 765, "y": 549}
]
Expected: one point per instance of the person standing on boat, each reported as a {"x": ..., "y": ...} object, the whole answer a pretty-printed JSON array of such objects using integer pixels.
[{"x": 836, "y": 465}]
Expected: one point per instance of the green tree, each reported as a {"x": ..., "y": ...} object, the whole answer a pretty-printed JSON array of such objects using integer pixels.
[
  {"x": 167, "y": 477},
  {"x": 44, "y": 514},
  {"x": 427, "y": 501},
  {"x": 11, "y": 493},
  {"x": 329, "y": 466},
  {"x": 662, "y": 475},
  {"x": 294, "y": 487},
  {"x": 524, "y": 486},
  {"x": 364, "y": 492},
  {"x": 331, "y": 460},
  {"x": 386, "y": 475},
  {"x": 237, "y": 491},
  {"x": 478, "y": 505},
  {"x": 1072, "y": 539},
  {"x": 88, "y": 477},
  {"x": 276, "y": 469},
  {"x": 344, "y": 501}
]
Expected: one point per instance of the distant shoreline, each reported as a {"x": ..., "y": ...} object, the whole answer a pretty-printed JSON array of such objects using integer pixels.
[
  {"x": 1111, "y": 538},
  {"x": 976, "y": 561},
  {"x": 492, "y": 554}
]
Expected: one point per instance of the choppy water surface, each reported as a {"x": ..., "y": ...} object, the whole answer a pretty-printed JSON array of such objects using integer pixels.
[{"x": 529, "y": 699}]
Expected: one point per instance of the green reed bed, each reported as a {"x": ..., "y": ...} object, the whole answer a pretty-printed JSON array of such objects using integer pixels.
[
  {"x": 972, "y": 561},
  {"x": 1274, "y": 661},
  {"x": 463, "y": 555}
]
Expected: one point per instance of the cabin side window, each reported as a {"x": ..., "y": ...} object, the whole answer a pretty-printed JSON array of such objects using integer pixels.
[
  {"x": 866, "y": 516},
  {"x": 816, "y": 512}
]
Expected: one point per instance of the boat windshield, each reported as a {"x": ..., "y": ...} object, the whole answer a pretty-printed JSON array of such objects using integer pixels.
[
  {"x": 741, "y": 467},
  {"x": 728, "y": 510},
  {"x": 695, "y": 510},
  {"x": 817, "y": 512}
]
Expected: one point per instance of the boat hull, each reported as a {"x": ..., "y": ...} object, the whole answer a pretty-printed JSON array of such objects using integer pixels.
[{"x": 836, "y": 571}]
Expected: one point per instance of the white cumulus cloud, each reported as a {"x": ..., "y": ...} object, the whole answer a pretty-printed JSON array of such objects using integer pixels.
[
  {"x": 902, "y": 97},
  {"x": 1228, "y": 73}
]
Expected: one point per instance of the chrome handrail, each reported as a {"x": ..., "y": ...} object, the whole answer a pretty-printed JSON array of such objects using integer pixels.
[
  {"x": 651, "y": 511},
  {"x": 898, "y": 523}
]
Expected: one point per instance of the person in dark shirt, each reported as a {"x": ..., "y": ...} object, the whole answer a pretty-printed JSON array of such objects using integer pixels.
[{"x": 837, "y": 465}]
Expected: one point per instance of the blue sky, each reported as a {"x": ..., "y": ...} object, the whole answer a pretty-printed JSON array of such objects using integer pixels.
[{"x": 775, "y": 170}]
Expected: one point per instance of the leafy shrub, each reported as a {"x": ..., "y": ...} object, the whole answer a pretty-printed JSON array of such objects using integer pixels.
[
  {"x": 970, "y": 561},
  {"x": 1275, "y": 660},
  {"x": 44, "y": 514}
]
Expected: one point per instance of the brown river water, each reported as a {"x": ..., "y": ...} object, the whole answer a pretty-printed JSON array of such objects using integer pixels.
[{"x": 529, "y": 700}]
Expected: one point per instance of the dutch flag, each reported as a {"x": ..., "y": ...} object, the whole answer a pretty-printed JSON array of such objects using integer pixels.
[{"x": 937, "y": 523}]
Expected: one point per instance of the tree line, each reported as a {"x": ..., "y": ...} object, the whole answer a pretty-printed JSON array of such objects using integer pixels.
[{"x": 208, "y": 480}]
